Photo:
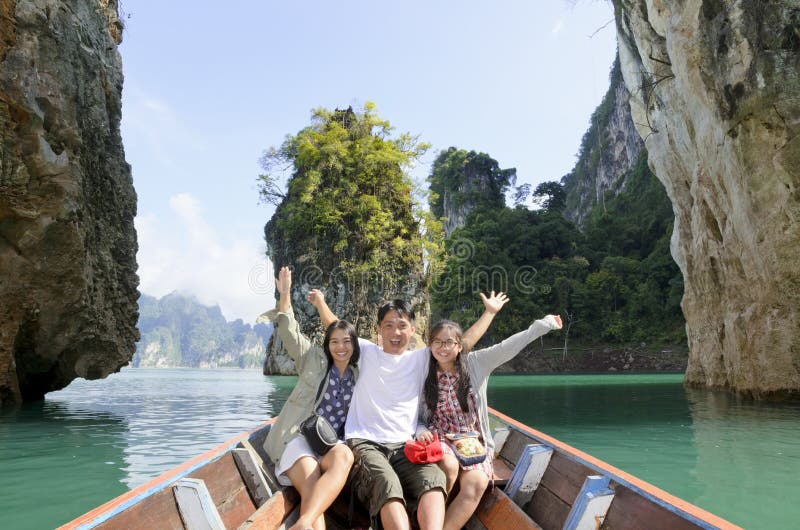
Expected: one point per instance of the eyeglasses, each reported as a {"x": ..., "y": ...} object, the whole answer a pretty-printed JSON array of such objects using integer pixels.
[{"x": 449, "y": 343}]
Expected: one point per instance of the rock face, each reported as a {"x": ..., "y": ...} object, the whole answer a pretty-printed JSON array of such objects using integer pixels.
[
  {"x": 67, "y": 241},
  {"x": 609, "y": 151},
  {"x": 361, "y": 249},
  {"x": 178, "y": 331},
  {"x": 463, "y": 181},
  {"x": 716, "y": 95}
]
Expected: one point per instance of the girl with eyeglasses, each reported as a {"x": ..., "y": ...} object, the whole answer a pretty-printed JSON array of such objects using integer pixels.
[{"x": 455, "y": 403}]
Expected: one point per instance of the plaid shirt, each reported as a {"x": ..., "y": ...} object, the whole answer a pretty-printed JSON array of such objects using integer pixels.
[{"x": 448, "y": 416}]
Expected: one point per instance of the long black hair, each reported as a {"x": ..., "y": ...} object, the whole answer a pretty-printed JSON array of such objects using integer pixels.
[
  {"x": 351, "y": 330},
  {"x": 432, "y": 381}
]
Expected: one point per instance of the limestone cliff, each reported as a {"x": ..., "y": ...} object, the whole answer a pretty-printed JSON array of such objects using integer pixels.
[
  {"x": 67, "y": 241},
  {"x": 179, "y": 331},
  {"x": 716, "y": 95},
  {"x": 609, "y": 151},
  {"x": 462, "y": 181},
  {"x": 346, "y": 225}
]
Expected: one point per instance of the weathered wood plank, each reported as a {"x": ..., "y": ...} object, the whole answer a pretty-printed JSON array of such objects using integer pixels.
[
  {"x": 515, "y": 444},
  {"x": 253, "y": 477},
  {"x": 196, "y": 506},
  {"x": 528, "y": 474},
  {"x": 496, "y": 510},
  {"x": 156, "y": 511},
  {"x": 565, "y": 477},
  {"x": 547, "y": 509},
  {"x": 273, "y": 512},
  {"x": 228, "y": 490},
  {"x": 501, "y": 472},
  {"x": 631, "y": 511}
]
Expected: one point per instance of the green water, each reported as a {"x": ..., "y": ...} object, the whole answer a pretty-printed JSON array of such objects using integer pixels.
[{"x": 94, "y": 440}]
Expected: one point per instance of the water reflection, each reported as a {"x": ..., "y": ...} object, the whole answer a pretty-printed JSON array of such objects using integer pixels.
[
  {"x": 54, "y": 457},
  {"x": 174, "y": 415},
  {"x": 746, "y": 450},
  {"x": 96, "y": 439}
]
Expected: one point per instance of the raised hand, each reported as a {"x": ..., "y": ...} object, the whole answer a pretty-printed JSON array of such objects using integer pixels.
[
  {"x": 558, "y": 319},
  {"x": 495, "y": 302},
  {"x": 316, "y": 297},
  {"x": 283, "y": 283}
]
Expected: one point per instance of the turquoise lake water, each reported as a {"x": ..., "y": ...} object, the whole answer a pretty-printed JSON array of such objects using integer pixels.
[{"x": 96, "y": 439}]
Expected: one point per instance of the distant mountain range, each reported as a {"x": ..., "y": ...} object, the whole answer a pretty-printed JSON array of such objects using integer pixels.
[{"x": 178, "y": 331}]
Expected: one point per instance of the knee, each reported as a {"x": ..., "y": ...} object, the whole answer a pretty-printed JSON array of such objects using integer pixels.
[
  {"x": 343, "y": 455},
  {"x": 450, "y": 467},
  {"x": 473, "y": 485},
  {"x": 339, "y": 457}
]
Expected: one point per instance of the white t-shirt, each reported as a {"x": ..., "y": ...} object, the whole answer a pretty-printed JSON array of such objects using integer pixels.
[{"x": 386, "y": 396}]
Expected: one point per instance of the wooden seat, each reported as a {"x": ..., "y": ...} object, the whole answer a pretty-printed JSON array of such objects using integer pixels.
[
  {"x": 280, "y": 508},
  {"x": 501, "y": 472}
]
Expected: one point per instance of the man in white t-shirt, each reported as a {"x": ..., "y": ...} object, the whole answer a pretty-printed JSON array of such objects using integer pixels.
[{"x": 383, "y": 416}]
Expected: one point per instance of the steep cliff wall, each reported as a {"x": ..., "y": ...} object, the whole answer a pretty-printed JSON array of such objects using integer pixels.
[
  {"x": 609, "y": 151},
  {"x": 716, "y": 96},
  {"x": 67, "y": 242}
]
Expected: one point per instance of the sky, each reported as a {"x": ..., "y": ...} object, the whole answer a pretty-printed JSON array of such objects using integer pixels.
[{"x": 209, "y": 86}]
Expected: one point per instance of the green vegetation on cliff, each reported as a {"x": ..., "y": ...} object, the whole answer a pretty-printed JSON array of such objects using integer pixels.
[
  {"x": 614, "y": 283},
  {"x": 178, "y": 331},
  {"x": 349, "y": 210}
]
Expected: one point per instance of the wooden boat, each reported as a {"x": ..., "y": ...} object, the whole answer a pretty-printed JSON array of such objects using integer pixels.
[{"x": 540, "y": 483}]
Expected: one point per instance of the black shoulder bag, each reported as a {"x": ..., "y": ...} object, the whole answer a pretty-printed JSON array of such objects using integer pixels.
[{"x": 318, "y": 431}]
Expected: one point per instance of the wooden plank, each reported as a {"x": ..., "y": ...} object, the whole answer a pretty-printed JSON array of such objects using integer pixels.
[
  {"x": 256, "y": 443},
  {"x": 501, "y": 472},
  {"x": 631, "y": 511},
  {"x": 547, "y": 509},
  {"x": 227, "y": 489},
  {"x": 514, "y": 445},
  {"x": 528, "y": 474},
  {"x": 591, "y": 506},
  {"x": 196, "y": 506},
  {"x": 565, "y": 477},
  {"x": 272, "y": 513},
  {"x": 496, "y": 510},
  {"x": 156, "y": 511},
  {"x": 251, "y": 474},
  {"x": 257, "y": 450}
]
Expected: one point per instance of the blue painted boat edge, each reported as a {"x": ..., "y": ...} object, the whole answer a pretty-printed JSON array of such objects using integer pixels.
[
  {"x": 593, "y": 486},
  {"x": 619, "y": 480},
  {"x": 222, "y": 450}
]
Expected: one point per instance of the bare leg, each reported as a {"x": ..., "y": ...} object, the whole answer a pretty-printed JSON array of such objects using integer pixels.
[
  {"x": 394, "y": 516},
  {"x": 320, "y": 487},
  {"x": 449, "y": 465},
  {"x": 472, "y": 484},
  {"x": 430, "y": 511}
]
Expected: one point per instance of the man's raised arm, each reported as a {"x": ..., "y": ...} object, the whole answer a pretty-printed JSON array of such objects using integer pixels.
[
  {"x": 493, "y": 304},
  {"x": 317, "y": 299}
]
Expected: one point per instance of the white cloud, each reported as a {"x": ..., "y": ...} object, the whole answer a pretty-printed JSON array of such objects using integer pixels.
[
  {"x": 559, "y": 25},
  {"x": 184, "y": 253}
]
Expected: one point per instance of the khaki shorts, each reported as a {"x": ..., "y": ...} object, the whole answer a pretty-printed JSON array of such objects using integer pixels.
[{"x": 381, "y": 472}]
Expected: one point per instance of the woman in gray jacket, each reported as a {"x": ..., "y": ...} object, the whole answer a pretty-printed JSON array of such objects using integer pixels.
[{"x": 325, "y": 385}]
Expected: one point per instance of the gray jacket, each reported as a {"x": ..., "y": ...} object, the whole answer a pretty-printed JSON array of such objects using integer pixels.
[{"x": 481, "y": 364}]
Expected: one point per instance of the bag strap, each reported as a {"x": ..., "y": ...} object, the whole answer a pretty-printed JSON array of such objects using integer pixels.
[{"x": 321, "y": 386}]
